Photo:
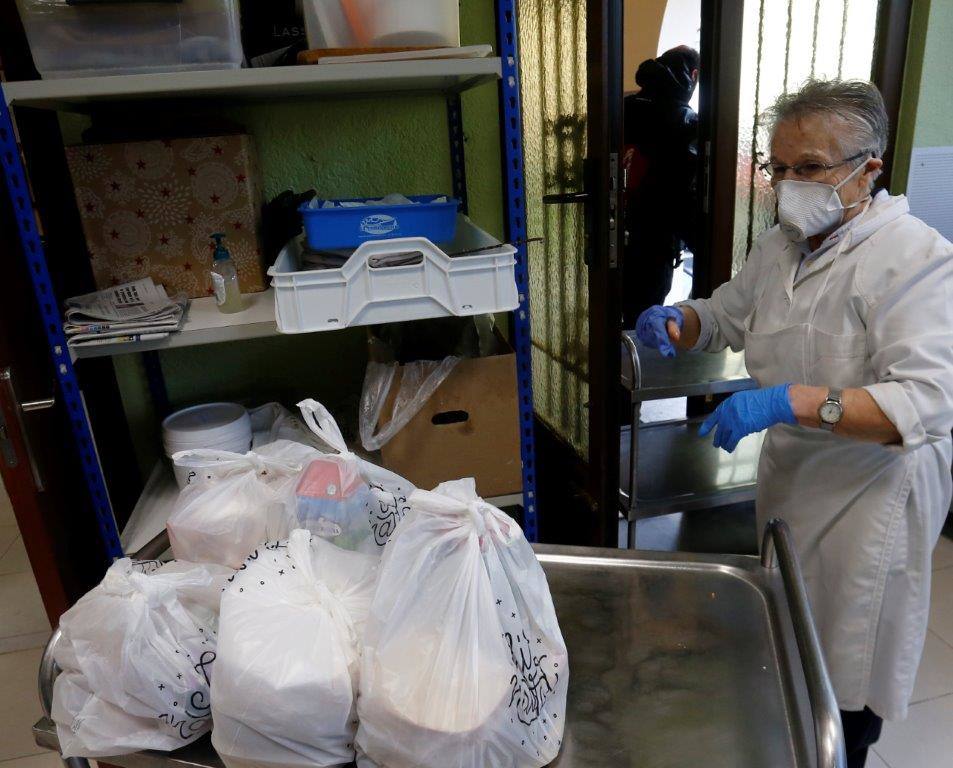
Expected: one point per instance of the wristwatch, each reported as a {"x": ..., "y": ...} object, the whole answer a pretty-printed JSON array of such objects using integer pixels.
[{"x": 832, "y": 410}]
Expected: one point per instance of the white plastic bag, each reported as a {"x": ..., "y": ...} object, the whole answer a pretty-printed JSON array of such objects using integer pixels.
[
  {"x": 136, "y": 657},
  {"x": 235, "y": 502},
  {"x": 283, "y": 694},
  {"x": 464, "y": 665},
  {"x": 419, "y": 380},
  {"x": 343, "y": 498},
  {"x": 273, "y": 422}
]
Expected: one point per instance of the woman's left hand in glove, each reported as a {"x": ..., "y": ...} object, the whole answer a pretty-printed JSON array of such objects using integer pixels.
[{"x": 745, "y": 413}]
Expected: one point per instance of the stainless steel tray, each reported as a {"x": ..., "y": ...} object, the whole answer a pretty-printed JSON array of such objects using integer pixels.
[
  {"x": 649, "y": 376},
  {"x": 676, "y": 661},
  {"x": 678, "y": 471}
]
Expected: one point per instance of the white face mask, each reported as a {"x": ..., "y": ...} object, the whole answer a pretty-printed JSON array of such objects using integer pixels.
[{"x": 808, "y": 208}]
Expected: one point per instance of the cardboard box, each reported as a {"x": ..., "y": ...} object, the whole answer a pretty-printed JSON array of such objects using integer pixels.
[
  {"x": 148, "y": 208},
  {"x": 469, "y": 428}
]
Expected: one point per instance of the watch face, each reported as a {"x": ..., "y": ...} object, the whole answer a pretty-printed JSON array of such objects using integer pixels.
[{"x": 831, "y": 413}]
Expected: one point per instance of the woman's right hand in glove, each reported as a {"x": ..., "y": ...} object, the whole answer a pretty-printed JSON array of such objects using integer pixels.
[{"x": 660, "y": 328}]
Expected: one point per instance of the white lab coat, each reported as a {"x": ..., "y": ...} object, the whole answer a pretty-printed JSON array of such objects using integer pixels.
[{"x": 873, "y": 311}]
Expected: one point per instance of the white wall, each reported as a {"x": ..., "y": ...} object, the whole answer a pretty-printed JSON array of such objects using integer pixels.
[
  {"x": 654, "y": 26},
  {"x": 641, "y": 27}
]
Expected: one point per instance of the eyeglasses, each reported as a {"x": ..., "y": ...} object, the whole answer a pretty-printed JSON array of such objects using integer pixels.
[{"x": 810, "y": 171}]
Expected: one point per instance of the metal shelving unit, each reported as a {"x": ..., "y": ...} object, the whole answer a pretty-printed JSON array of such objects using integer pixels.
[{"x": 448, "y": 77}]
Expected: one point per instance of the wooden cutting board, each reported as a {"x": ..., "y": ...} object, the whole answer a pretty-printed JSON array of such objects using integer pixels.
[{"x": 312, "y": 56}]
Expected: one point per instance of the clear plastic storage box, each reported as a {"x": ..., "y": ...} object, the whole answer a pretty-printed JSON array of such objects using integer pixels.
[
  {"x": 131, "y": 37},
  {"x": 429, "y": 282}
]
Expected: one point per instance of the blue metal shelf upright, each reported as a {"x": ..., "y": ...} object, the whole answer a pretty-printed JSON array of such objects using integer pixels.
[
  {"x": 514, "y": 203},
  {"x": 33, "y": 249},
  {"x": 514, "y": 200}
]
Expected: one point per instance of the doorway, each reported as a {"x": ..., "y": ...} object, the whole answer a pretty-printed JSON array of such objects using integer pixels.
[
  {"x": 570, "y": 61},
  {"x": 661, "y": 64},
  {"x": 749, "y": 52}
]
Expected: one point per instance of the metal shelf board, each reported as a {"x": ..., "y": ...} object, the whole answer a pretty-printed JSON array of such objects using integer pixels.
[
  {"x": 685, "y": 375},
  {"x": 83, "y": 94},
  {"x": 678, "y": 471},
  {"x": 204, "y": 324},
  {"x": 152, "y": 510}
]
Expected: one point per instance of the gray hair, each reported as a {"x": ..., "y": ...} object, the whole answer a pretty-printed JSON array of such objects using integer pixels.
[{"x": 856, "y": 102}]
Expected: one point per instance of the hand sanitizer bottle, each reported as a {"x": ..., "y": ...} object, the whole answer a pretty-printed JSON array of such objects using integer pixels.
[{"x": 228, "y": 296}]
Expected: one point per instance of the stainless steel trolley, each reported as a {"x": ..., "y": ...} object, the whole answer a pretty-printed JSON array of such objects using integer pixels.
[
  {"x": 676, "y": 661},
  {"x": 666, "y": 467}
]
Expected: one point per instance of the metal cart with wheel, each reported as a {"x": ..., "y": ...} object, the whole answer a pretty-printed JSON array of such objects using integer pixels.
[
  {"x": 675, "y": 660},
  {"x": 666, "y": 467}
]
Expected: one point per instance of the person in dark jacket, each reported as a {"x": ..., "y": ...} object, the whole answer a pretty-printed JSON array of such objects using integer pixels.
[{"x": 661, "y": 136}]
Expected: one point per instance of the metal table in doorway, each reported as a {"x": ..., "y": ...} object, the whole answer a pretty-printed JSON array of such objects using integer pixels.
[{"x": 675, "y": 661}]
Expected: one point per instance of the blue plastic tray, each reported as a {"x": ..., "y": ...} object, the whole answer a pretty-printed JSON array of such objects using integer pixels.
[{"x": 335, "y": 228}]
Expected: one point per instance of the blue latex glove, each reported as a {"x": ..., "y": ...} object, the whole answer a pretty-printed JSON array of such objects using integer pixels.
[
  {"x": 745, "y": 413},
  {"x": 651, "y": 331}
]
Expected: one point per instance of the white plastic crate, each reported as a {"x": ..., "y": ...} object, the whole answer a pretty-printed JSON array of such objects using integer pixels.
[{"x": 361, "y": 294}]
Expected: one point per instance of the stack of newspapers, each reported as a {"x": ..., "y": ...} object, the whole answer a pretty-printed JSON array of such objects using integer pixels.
[{"x": 137, "y": 311}]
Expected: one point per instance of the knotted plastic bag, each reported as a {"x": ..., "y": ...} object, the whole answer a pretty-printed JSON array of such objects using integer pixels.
[
  {"x": 136, "y": 656},
  {"x": 234, "y": 502},
  {"x": 464, "y": 665},
  {"x": 286, "y": 676},
  {"x": 272, "y": 422},
  {"x": 343, "y": 498}
]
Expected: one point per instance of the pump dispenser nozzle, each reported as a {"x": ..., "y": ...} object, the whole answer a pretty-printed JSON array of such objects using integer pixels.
[{"x": 221, "y": 252}]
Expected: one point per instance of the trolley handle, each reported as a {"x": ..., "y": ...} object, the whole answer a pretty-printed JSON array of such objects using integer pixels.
[
  {"x": 627, "y": 497},
  {"x": 48, "y": 668},
  {"x": 778, "y": 547},
  {"x": 629, "y": 345}
]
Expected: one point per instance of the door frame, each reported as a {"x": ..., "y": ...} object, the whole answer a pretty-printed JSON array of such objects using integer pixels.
[
  {"x": 719, "y": 89},
  {"x": 604, "y": 57},
  {"x": 56, "y": 518},
  {"x": 887, "y": 70}
]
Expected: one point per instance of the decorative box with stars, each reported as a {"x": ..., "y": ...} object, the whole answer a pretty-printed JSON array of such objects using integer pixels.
[{"x": 148, "y": 208}]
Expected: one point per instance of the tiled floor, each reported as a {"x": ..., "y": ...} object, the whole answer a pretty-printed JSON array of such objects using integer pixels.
[
  {"x": 924, "y": 740},
  {"x": 24, "y": 630}
]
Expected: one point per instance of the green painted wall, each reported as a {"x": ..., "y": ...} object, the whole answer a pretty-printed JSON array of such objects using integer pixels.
[
  {"x": 935, "y": 107},
  {"x": 926, "y": 107},
  {"x": 340, "y": 148}
]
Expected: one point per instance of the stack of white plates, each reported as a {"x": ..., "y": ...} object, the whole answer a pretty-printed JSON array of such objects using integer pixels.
[{"x": 214, "y": 426}]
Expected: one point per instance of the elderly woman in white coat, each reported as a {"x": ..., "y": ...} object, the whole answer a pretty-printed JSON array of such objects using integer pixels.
[{"x": 845, "y": 313}]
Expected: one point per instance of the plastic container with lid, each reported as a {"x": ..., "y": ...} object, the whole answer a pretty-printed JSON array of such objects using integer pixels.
[
  {"x": 214, "y": 426},
  {"x": 327, "y": 25},
  {"x": 382, "y": 23},
  {"x": 71, "y": 39},
  {"x": 396, "y": 23}
]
